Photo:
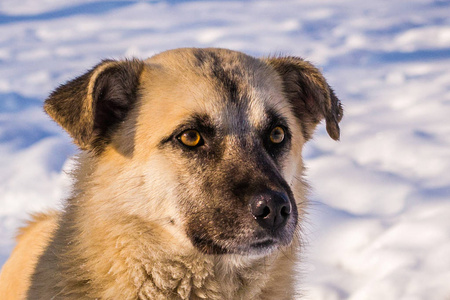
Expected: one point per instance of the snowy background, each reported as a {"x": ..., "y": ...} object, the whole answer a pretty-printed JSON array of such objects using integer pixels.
[{"x": 379, "y": 222}]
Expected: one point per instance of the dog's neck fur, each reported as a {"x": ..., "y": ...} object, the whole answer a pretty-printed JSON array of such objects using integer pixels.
[
  {"x": 136, "y": 270},
  {"x": 88, "y": 259}
]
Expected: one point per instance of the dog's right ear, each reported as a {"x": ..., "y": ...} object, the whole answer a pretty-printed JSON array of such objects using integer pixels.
[
  {"x": 91, "y": 106},
  {"x": 310, "y": 95}
]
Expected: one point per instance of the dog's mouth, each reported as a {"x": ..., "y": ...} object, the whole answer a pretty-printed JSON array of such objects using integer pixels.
[
  {"x": 264, "y": 244},
  {"x": 208, "y": 246},
  {"x": 256, "y": 241},
  {"x": 258, "y": 247}
]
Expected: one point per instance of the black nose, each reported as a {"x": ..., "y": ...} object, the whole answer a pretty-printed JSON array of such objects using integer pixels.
[{"x": 271, "y": 210}]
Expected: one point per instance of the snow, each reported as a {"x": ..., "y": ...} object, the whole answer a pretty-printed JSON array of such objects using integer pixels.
[{"x": 379, "y": 221}]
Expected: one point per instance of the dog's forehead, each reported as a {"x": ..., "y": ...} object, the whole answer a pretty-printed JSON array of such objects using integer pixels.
[{"x": 233, "y": 89}]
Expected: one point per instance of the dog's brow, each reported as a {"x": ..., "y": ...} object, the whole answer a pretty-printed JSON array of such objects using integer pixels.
[
  {"x": 201, "y": 122},
  {"x": 273, "y": 119}
]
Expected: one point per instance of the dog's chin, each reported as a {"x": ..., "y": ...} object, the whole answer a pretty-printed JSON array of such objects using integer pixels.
[{"x": 261, "y": 247}]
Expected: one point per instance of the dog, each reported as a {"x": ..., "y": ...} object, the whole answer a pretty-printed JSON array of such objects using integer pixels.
[{"x": 189, "y": 184}]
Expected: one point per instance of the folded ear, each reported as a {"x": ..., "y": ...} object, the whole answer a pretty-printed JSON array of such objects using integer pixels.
[
  {"x": 91, "y": 106},
  {"x": 309, "y": 94}
]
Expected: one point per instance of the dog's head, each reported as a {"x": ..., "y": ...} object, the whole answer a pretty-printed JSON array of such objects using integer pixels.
[{"x": 205, "y": 142}]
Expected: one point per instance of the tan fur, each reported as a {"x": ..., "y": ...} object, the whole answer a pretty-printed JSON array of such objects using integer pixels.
[
  {"x": 123, "y": 233},
  {"x": 31, "y": 243}
]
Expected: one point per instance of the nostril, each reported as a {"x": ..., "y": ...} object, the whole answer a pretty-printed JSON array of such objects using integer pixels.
[
  {"x": 266, "y": 212},
  {"x": 260, "y": 209},
  {"x": 286, "y": 210}
]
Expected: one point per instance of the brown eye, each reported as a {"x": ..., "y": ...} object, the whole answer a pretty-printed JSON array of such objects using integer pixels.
[
  {"x": 190, "y": 138},
  {"x": 277, "y": 135}
]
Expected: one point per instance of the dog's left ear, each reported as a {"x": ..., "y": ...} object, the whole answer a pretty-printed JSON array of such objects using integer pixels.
[
  {"x": 90, "y": 107},
  {"x": 309, "y": 94}
]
